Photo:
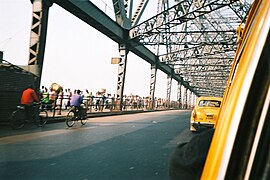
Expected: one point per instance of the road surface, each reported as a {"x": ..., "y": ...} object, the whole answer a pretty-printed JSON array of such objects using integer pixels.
[{"x": 134, "y": 146}]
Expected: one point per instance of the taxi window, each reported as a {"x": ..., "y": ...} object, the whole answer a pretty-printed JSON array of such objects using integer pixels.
[{"x": 209, "y": 103}]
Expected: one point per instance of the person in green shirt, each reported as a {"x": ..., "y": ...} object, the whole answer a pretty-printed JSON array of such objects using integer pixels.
[{"x": 45, "y": 97}]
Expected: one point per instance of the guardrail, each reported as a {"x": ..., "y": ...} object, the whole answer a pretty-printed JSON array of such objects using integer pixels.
[{"x": 60, "y": 105}]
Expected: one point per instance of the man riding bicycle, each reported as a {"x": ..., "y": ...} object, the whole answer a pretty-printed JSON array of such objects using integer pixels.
[
  {"x": 28, "y": 97},
  {"x": 77, "y": 111},
  {"x": 77, "y": 100}
]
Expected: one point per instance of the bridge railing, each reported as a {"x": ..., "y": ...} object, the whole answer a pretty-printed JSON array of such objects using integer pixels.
[{"x": 61, "y": 104}]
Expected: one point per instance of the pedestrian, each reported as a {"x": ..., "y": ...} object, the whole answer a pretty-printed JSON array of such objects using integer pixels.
[
  {"x": 45, "y": 98},
  {"x": 113, "y": 103},
  {"x": 102, "y": 102},
  {"x": 65, "y": 99},
  {"x": 69, "y": 97},
  {"x": 91, "y": 102},
  {"x": 86, "y": 98},
  {"x": 59, "y": 100},
  {"x": 97, "y": 103},
  {"x": 60, "y": 96},
  {"x": 52, "y": 98}
]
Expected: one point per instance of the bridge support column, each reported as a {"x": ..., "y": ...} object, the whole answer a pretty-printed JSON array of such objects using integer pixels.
[
  {"x": 38, "y": 37},
  {"x": 193, "y": 102},
  {"x": 121, "y": 76},
  {"x": 185, "y": 98},
  {"x": 153, "y": 86},
  {"x": 189, "y": 99},
  {"x": 169, "y": 87},
  {"x": 179, "y": 95}
]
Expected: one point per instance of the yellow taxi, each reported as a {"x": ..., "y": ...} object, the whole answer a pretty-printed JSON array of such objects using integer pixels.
[
  {"x": 240, "y": 147},
  {"x": 205, "y": 112}
]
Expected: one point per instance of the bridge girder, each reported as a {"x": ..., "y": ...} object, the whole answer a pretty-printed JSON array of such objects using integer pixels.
[
  {"x": 194, "y": 36},
  {"x": 191, "y": 33}
]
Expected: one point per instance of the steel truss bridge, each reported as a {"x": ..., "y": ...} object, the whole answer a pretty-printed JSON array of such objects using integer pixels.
[{"x": 192, "y": 41}]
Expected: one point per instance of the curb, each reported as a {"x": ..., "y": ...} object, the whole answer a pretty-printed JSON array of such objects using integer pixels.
[{"x": 101, "y": 114}]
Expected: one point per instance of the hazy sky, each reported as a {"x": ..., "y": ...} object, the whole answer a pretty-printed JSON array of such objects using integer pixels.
[{"x": 77, "y": 56}]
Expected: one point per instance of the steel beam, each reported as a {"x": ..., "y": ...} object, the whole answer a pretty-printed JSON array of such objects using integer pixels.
[
  {"x": 185, "y": 98},
  {"x": 177, "y": 15},
  {"x": 40, "y": 11},
  {"x": 179, "y": 94},
  {"x": 90, "y": 14},
  {"x": 139, "y": 11},
  {"x": 120, "y": 9},
  {"x": 121, "y": 75},
  {"x": 153, "y": 85},
  {"x": 169, "y": 89}
]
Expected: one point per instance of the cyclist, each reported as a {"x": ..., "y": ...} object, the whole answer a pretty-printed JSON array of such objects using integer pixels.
[
  {"x": 28, "y": 97},
  {"x": 77, "y": 100}
]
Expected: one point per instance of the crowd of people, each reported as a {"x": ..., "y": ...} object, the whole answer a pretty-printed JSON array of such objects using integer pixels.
[{"x": 61, "y": 98}]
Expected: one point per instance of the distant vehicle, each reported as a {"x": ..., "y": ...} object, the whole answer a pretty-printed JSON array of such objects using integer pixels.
[{"x": 205, "y": 112}]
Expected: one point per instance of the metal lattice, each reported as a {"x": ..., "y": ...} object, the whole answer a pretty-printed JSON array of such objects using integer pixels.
[
  {"x": 192, "y": 41},
  {"x": 197, "y": 38}
]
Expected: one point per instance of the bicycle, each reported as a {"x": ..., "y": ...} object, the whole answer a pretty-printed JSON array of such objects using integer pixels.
[
  {"x": 75, "y": 115},
  {"x": 18, "y": 118}
]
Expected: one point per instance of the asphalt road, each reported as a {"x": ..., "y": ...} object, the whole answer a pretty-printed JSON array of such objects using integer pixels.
[{"x": 134, "y": 146}]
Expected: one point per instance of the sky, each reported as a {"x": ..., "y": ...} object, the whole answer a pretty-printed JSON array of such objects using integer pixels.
[{"x": 77, "y": 56}]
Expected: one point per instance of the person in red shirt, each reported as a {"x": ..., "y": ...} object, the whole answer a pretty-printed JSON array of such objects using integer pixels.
[{"x": 28, "y": 97}]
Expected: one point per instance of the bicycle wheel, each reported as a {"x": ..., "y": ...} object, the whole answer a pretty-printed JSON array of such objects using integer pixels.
[
  {"x": 17, "y": 119},
  {"x": 84, "y": 117},
  {"x": 84, "y": 120},
  {"x": 70, "y": 118},
  {"x": 43, "y": 117}
]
